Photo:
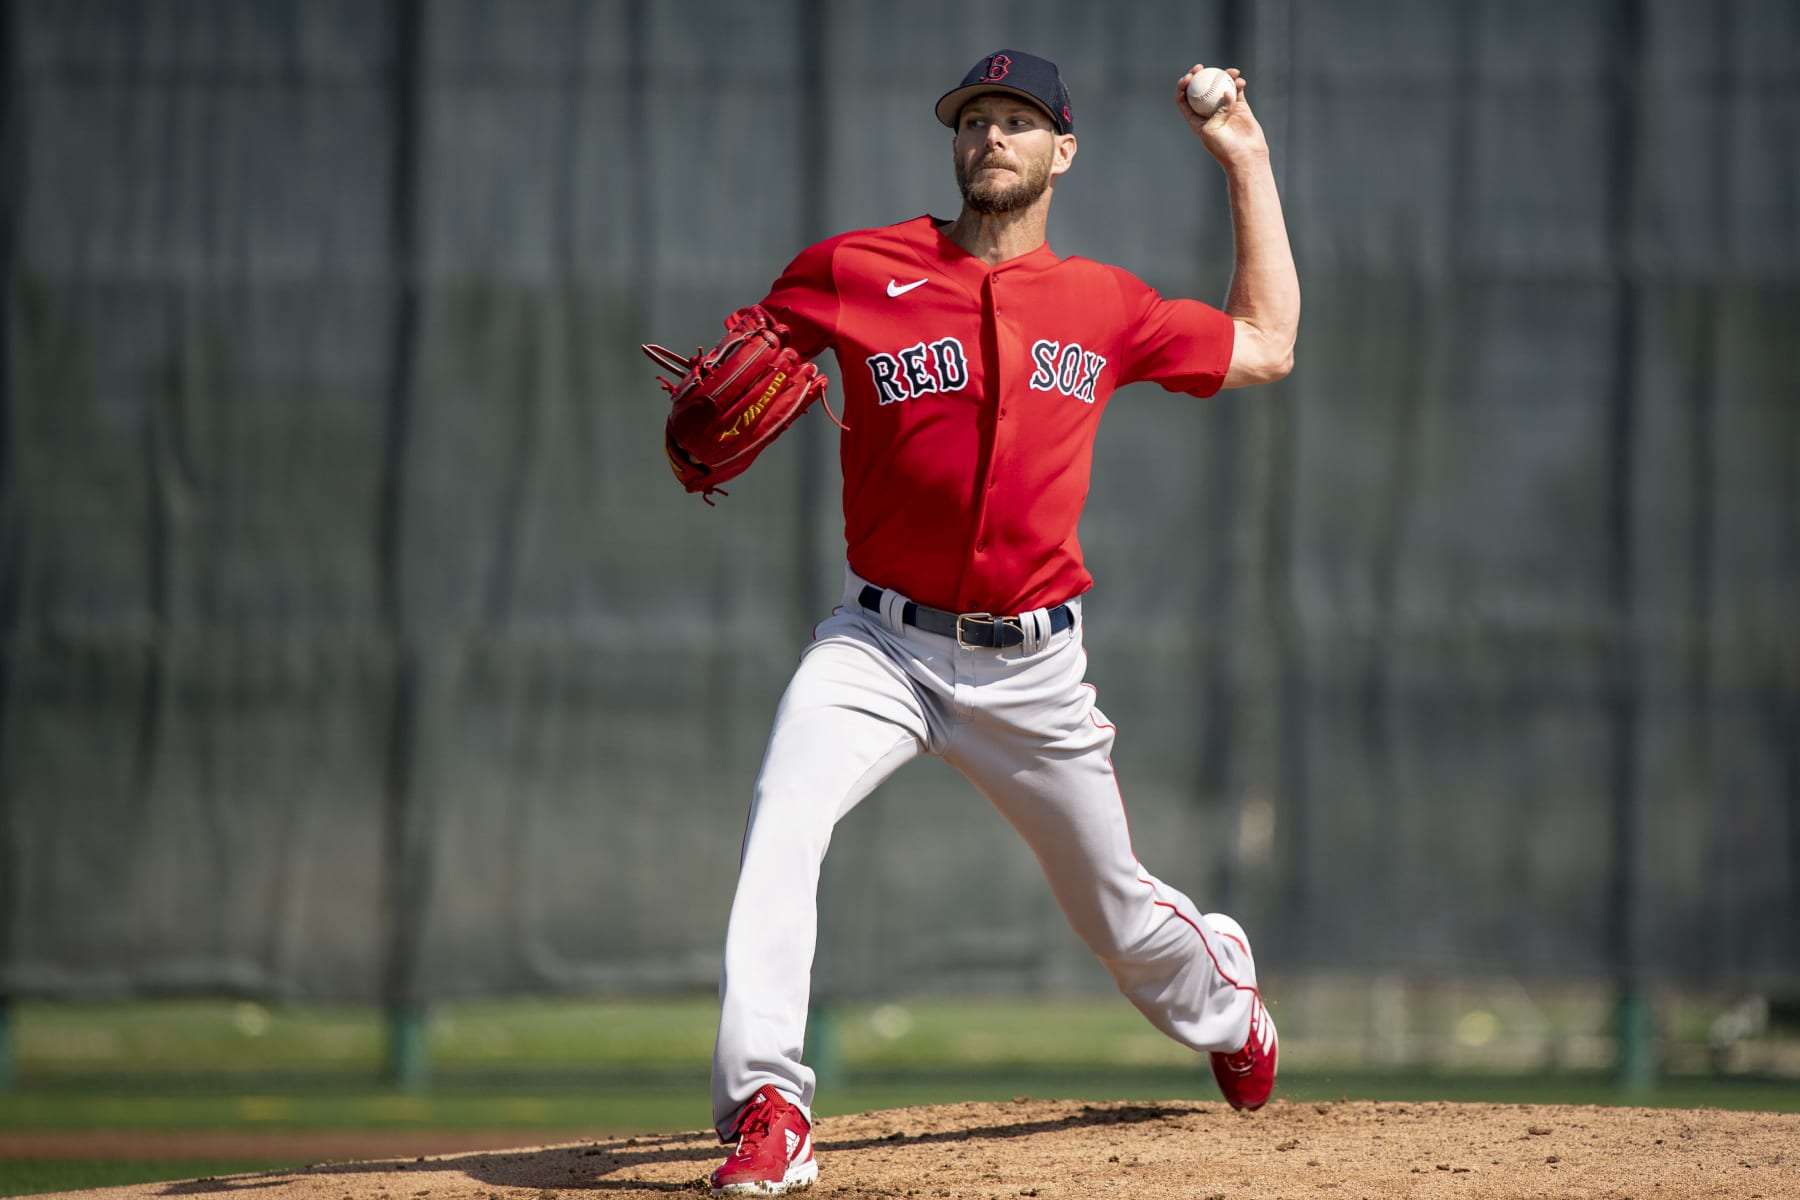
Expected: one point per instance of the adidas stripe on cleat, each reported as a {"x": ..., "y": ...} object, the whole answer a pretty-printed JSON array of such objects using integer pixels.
[{"x": 774, "y": 1152}]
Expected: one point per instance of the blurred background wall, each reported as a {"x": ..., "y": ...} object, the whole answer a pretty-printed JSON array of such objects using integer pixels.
[{"x": 355, "y": 644}]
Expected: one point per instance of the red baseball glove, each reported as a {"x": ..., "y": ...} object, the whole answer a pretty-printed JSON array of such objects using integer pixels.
[{"x": 733, "y": 400}]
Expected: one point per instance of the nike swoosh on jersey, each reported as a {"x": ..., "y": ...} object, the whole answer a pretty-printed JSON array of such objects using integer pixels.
[{"x": 896, "y": 288}]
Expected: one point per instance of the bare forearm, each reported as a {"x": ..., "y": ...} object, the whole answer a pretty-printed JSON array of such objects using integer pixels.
[{"x": 1264, "y": 297}]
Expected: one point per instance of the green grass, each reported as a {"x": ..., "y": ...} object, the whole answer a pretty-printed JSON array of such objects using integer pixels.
[
  {"x": 575, "y": 1069},
  {"x": 24, "y": 1177},
  {"x": 190, "y": 1037}
]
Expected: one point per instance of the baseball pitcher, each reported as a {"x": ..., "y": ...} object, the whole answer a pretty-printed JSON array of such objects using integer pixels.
[{"x": 975, "y": 365}]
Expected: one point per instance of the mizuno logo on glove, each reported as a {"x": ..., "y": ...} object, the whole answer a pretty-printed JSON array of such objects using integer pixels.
[{"x": 748, "y": 417}]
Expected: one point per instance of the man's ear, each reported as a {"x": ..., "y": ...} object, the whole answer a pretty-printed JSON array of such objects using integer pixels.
[{"x": 1065, "y": 153}]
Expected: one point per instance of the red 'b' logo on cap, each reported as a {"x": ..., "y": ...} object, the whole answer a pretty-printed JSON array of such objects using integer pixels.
[{"x": 998, "y": 66}]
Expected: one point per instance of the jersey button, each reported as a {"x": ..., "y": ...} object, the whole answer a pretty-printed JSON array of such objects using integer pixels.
[{"x": 979, "y": 546}]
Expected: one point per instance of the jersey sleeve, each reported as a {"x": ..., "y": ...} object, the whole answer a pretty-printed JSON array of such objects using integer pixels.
[
  {"x": 1182, "y": 344},
  {"x": 805, "y": 299}
]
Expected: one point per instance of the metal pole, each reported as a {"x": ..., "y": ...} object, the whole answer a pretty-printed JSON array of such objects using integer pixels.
[
  {"x": 1629, "y": 892},
  {"x": 408, "y": 1047},
  {"x": 408, "y": 1063},
  {"x": 9, "y": 1060},
  {"x": 1221, "y": 608},
  {"x": 1283, "y": 681},
  {"x": 12, "y": 188}
]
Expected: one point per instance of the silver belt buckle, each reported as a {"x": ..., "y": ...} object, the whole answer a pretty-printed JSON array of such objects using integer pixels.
[
  {"x": 960, "y": 618},
  {"x": 988, "y": 619}
]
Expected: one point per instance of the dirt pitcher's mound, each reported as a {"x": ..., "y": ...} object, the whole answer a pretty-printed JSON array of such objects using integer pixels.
[{"x": 1158, "y": 1151}]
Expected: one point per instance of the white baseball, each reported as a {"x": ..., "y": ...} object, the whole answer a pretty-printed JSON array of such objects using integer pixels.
[{"x": 1208, "y": 89}]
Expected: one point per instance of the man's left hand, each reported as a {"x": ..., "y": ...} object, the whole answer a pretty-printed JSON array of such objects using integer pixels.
[{"x": 1232, "y": 132}]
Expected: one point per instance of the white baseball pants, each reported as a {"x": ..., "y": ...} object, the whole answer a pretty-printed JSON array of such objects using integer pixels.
[{"x": 870, "y": 694}]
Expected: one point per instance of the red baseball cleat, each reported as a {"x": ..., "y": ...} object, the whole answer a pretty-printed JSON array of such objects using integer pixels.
[
  {"x": 774, "y": 1150},
  {"x": 1246, "y": 1076}
]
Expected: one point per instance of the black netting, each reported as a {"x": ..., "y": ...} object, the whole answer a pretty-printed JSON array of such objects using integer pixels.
[{"x": 358, "y": 644}]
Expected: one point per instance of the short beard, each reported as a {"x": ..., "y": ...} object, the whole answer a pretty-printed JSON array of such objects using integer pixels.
[{"x": 995, "y": 195}]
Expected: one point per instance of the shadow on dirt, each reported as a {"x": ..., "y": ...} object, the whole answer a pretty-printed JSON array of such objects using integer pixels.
[{"x": 613, "y": 1165}]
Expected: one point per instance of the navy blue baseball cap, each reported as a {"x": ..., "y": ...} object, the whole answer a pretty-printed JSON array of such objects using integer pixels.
[{"x": 1027, "y": 75}]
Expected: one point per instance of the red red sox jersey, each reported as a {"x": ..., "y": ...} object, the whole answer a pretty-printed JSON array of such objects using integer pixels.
[{"x": 972, "y": 395}]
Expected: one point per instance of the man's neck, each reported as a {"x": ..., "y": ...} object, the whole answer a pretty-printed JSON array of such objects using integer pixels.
[{"x": 996, "y": 237}]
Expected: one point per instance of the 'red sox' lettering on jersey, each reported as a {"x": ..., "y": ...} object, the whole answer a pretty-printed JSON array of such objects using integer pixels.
[
  {"x": 939, "y": 366},
  {"x": 1067, "y": 369},
  {"x": 977, "y": 395}
]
